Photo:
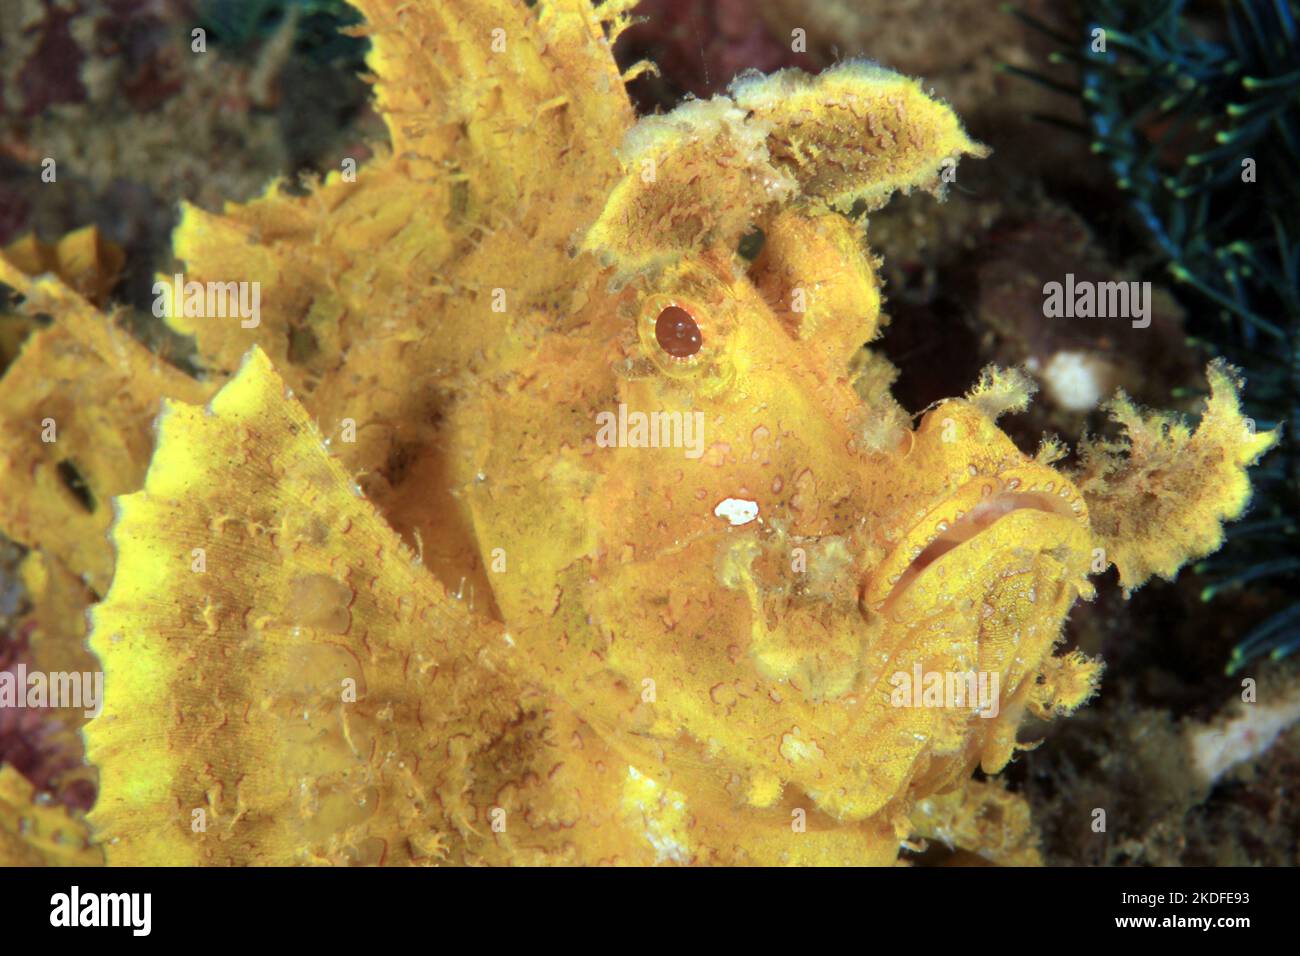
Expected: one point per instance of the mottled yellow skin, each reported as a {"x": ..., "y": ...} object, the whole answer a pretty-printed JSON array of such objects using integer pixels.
[
  {"x": 37, "y": 833},
  {"x": 83, "y": 259},
  {"x": 474, "y": 634}
]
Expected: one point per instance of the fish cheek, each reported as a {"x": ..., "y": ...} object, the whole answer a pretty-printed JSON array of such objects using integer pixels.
[
  {"x": 677, "y": 641},
  {"x": 815, "y": 647},
  {"x": 806, "y": 629}
]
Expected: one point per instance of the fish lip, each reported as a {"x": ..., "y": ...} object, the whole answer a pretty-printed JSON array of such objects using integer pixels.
[{"x": 939, "y": 530}]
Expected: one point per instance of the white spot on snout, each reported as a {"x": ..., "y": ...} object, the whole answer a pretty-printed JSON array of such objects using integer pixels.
[{"x": 738, "y": 511}]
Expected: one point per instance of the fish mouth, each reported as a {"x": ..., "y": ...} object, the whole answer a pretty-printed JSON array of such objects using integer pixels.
[{"x": 963, "y": 516}]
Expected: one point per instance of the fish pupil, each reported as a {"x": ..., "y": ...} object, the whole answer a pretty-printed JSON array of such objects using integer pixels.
[{"x": 677, "y": 332}]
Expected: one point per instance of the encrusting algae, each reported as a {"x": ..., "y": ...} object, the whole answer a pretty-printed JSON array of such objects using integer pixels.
[{"x": 385, "y": 598}]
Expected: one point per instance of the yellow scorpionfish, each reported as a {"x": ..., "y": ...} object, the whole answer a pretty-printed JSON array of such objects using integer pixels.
[{"x": 532, "y": 523}]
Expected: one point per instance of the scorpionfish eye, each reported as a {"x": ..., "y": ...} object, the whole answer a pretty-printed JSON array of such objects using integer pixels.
[{"x": 677, "y": 332}]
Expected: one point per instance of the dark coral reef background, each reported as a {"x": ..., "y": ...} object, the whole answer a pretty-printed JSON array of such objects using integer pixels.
[{"x": 1116, "y": 164}]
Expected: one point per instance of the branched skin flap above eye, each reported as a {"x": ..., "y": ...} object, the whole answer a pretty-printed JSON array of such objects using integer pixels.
[{"x": 708, "y": 171}]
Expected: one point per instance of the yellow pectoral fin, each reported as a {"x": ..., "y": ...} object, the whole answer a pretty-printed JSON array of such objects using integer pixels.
[{"x": 284, "y": 682}]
